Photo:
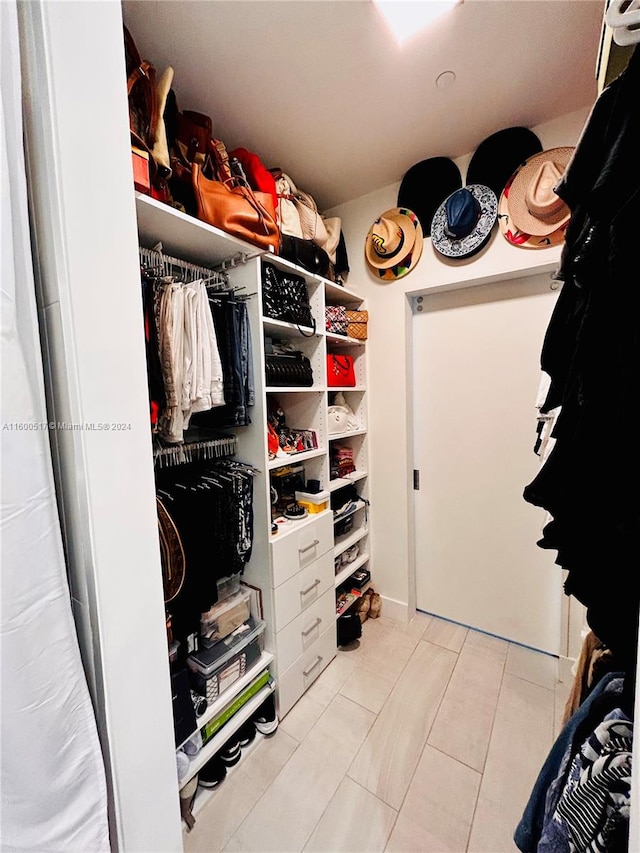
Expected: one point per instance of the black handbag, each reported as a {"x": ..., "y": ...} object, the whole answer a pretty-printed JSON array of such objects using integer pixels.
[
  {"x": 289, "y": 369},
  {"x": 285, "y": 297},
  {"x": 305, "y": 254},
  {"x": 349, "y": 628}
]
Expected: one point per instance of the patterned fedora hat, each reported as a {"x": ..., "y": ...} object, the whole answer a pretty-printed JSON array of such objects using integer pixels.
[
  {"x": 394, "y": 244},
  {"x": 462, "y": 224}
]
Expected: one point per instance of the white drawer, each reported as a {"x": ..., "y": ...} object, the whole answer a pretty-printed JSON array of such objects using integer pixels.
[
  {"x": 302, "y": 590},
  {"x": 299, "y": 677},
  {"x": 302, "y": 633},
  {"x": 299, "y": 548}
]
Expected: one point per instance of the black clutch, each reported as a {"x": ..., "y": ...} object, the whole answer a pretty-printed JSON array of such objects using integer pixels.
[{"x": 290, "y": 369}]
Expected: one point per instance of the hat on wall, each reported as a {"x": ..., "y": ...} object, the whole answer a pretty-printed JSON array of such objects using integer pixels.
[
  {"x": 534, "y": 208},
  {"x": 394, "y": 244},
  {"x": 513, "y": 235},
  {"x": 426, "y": 185},
  {"x": 462, "y": 224},
  {"x": 499, "y": 155}
]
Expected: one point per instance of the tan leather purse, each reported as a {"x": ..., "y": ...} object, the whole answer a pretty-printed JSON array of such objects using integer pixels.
[{"x": 237, "y": 209}]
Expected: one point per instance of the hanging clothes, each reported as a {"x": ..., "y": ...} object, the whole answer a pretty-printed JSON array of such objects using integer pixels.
[
  {"x": 210, "y": 505},
  {"x": 591, "y": 351},
  {"x": 231, "y": 321}
]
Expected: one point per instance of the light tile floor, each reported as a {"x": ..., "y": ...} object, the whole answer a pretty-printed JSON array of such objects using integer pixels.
[{"x": 425, "y": 738}]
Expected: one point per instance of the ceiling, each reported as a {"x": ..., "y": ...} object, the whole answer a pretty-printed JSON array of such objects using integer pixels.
[{"x": 321, "y": 89}]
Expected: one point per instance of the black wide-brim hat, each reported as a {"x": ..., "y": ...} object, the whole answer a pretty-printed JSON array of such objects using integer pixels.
[
  {"x": 426, "y": 185},
  {"x": 499, "y": 155}
]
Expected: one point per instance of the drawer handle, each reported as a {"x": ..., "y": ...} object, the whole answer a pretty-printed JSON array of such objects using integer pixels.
[
  {"x": 312, "y": 628},
  {"x": 309, "y": 588},
  {"x": 306, "y": 672},
  {"x": 309, "y": 547}
]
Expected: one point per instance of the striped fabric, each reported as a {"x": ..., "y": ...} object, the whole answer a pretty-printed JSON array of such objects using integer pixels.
[{"x": 594, "y": 807}]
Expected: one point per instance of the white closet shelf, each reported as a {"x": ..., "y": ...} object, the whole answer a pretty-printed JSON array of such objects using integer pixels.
[
  {"x": 204, "y": 795},
  {"x": 216, "y": 743},
  {"x": 348, "y": 570},
  {"x": 233, "y": 692},
  {"x": 279, "y": 327},
  {"x": 339, "y": 482},
  {"x": 350, "y": 540},
  {"x": 343, "y": 340},
  {"x": 288, "y": 389},
  {"x": 337, "y": 435},
  {"x": 184, "y": 235},
  {"x": 332, "y": 388},
  {"x": 335, "y": 294},
  {"x": 358, "y": 506},
  {"x": 294, "y": 458}
]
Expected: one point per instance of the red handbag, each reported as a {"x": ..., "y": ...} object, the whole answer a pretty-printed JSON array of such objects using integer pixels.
[{"x": 340, "y": 372}]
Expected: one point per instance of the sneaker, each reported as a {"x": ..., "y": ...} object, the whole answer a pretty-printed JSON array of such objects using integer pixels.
[
  {"x": 266, "y": 719},
  {"x": 213, "y": 773},
  {"x": 246, "y": 733},
  {"x": 231, "y": 753}
]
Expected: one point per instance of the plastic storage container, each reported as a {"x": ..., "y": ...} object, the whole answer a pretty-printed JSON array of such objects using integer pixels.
[
  {"x": 216, "y": 669},
  {"x": 224, "y": 617},
  {"x": 313, "y": 502}
]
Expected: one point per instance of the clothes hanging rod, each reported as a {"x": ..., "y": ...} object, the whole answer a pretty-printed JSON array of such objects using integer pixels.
[
  {"x": 156, "y": 258},
  {"x": 181, "y": 454}
]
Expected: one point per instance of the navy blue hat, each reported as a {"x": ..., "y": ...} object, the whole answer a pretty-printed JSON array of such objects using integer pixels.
[
  {"x": 426, "y": 185},
  {"x": 499, "y": 155},
  {"x": 462, "y": 224}
]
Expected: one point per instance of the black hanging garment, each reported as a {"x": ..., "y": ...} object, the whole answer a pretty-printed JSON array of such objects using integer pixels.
[
  {"x": 211, "y": 506},
  {"x": 590, "y": 482}
]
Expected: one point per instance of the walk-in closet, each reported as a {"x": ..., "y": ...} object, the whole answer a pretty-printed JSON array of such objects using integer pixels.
[{"x": 318, "y": 440}]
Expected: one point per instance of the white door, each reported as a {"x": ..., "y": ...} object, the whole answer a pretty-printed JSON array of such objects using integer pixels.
[{"x": 476, "y": 357}]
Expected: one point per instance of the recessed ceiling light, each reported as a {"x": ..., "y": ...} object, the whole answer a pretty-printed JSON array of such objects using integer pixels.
[
  {"x": 406, "y": 18},
  {"x": 446, "y": 79}
]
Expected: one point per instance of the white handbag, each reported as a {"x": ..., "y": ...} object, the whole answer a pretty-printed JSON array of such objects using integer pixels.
[
  {"x": 288, "y": 215},
  {"x": 340, "y": 416}
]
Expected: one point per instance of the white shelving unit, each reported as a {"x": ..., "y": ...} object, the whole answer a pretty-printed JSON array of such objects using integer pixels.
[{"x": 294, "y": 568}]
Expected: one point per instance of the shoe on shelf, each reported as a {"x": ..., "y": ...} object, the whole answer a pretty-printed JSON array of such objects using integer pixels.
[
  {"x": 265, "y": 718},
  {"x": 246, "y": 733},
  {"x": 213, "y": 772},
  {"x": 231, "y": 752}
]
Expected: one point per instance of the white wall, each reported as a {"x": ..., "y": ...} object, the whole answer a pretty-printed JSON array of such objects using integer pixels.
[
  {"x": 389, "y": 348},
  {"x": 90, "y": 309}
]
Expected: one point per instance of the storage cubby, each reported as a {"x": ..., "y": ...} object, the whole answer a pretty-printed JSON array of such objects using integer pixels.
[
  {"x": 356, "y": 349},
  {"x": 312, "y": 347}
]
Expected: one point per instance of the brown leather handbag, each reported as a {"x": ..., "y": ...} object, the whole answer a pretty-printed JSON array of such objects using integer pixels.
[{"x": 235, "y": 208}]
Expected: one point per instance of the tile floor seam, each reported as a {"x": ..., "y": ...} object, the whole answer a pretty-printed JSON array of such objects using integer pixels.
[
  {"x": 426, "y": 740},
  {"x": 454, "y": 758},
  {"x": 484, "y": 766}
]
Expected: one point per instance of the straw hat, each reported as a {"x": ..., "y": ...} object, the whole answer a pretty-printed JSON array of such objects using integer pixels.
[
  {"x": 462, "y": 224},
  {"x": 394, "y": 243},
  {"x": 533, "y": 206},
  {"x": 521, "y": 239}
]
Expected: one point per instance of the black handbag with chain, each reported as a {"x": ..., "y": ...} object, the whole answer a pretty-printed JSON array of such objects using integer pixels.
[{"x": 285, "y": 297}]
